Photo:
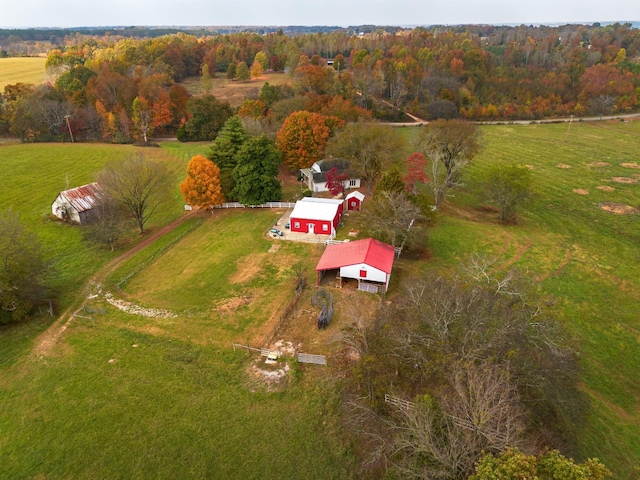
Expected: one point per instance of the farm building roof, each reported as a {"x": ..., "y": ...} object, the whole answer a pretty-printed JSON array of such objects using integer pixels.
[
  {"x": 314, "y": 210},
  {"x": 370, "y": 251},
  {"x": 83, "y": 198},
  {"x": 335, "y": 201},
  {"x": 355, "y": 194}
]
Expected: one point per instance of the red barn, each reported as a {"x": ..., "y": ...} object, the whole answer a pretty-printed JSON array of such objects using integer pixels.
[
  {"x": 316, "y": 215},
  {"x": 354, "y": 200},
  {"x": 369, "y": 261}
]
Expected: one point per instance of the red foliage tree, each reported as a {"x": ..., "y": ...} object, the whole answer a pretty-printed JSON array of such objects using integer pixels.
[
  {"x": 335, "y": 181},
  {"x": 416, "y": 166}
]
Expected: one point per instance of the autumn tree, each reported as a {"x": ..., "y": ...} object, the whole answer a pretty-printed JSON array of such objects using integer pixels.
[
  {"x": 256, "y": 70},
  {"x": 335, "y": 182},
  {"x": 416, "y": 173},
  {"x": 303, "y": 137},
  {"x": 148, "y": 116},
  {"x": 508, "y": 186},
  {"x": 370, "y": 147},
  {"x": 142, "y": 186},
  {"x": 201, "y": 187},
  {"x": 23, "y": 268},
  {"x": 242, "y": 72},
  {"x": 256, "y": 173},
  {"x": 262, "y": 59},
  {"x": 512, "y": 464},
  {"x": 450, "y": 145}
]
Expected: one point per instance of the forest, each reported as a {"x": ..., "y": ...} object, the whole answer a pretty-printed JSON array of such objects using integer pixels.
[{"x": 106, "y": 86}]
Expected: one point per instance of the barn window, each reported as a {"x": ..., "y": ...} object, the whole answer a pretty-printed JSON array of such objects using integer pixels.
[
  {"x": 352, "y": 183},
  {"x": 296, "y": 224},
  {"x": 325, "y": 227},
  {"x": 363, "y": 274},
  {"x": 353, "y": 204}
]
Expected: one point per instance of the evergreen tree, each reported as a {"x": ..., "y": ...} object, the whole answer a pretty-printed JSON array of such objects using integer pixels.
[{"x": 255, "y": 175}]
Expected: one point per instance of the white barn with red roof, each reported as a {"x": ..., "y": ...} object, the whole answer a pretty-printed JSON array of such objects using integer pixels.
[
  {"x": 75, "y": 205},
  {"x": 369, "y": 261}
]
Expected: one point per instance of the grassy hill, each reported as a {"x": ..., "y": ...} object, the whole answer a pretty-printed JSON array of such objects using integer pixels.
[{"x": 21, "y": 70}]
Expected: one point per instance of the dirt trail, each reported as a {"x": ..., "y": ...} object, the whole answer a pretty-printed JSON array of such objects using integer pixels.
[{"x": 48, "y": 339}]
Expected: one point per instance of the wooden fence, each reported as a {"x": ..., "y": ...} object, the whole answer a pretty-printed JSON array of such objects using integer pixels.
[
  {"x": 368, "y": 287},
  {"x": 310, "y": 358},
  {"x": 264, "y": 352},
  {"x": 398, "y": 402}
]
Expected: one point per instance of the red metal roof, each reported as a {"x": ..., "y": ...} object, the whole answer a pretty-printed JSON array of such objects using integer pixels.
[
  {"x": 83, "y": 198},
  {"x": 370, "y": 251}
]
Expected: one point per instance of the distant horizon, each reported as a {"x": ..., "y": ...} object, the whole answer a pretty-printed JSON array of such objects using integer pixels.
[
  {"x": 634, "y": 23},
  {"x": 33, "y": 14}
]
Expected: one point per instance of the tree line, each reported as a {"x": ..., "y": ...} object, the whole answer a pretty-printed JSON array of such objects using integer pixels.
[{"x": 475, "y": 73}]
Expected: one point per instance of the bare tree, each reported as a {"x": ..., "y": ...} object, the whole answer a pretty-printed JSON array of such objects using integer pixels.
[
  {"x": 393, "y": 218},
  {"x": 141, "y": 185},
  {"x": 451, "y": 146},
  {"x": 107, "y": 222}
]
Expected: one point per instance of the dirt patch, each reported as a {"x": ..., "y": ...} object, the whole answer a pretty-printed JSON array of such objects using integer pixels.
[
  {"x": 606, "y": 188},
  {"x": 630, "y": 165},
  {"x": 599, "y": 164},
  {"x": 563, "y": 165},
  {"x": 580, "y": 191},
  {"x": 618, "y": 208},
  {"x": 274, "y": 248},
  {"x": 231, "y": 304},
  {"x": 273, "y": 377},
  {"x": 247, "y": 268},
  {"x": 624, "y": 180},
  {"x": 530, "y": 167}
]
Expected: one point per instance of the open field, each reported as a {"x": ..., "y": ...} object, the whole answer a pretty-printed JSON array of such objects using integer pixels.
[
  {"x": 32, "y": 177},
  {"x": 167, "y": 398},
  {"x": 21, "y": 70},
  {"x": 232, "y": 91}
]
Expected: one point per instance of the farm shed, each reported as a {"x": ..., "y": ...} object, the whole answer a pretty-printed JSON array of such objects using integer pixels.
[
  {"x": 316, "y": 215},
  {"x": 369, "y": 261},
  {"x": 354, "y": 200},
  {"x": 75, "y": 205},
  {"x": 315, "y": 177}
]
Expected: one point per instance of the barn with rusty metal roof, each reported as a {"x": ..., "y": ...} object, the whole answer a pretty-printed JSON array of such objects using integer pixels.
[{"x": 75, "y": 205}]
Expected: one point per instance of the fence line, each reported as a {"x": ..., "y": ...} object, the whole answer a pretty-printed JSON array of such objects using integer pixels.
[
  {"x": 287, "y": 310},
  {"x": 264, "y": 352},
  {"x": 368, "y": 287},
  {"x": 311, "y": 358},
  {"x": 264, "y": 205},
  {"x": 398, "y": 402}
]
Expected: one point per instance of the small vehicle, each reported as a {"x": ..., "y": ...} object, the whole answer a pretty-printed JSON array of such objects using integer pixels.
[
  {"x": 287, "y": 225},
  {"x": 276, "y": 232}
]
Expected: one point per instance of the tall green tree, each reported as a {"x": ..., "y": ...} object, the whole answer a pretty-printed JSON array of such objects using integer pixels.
[
  {"x": 256, "y": 173},
  {"x": 243, "y": 74},
  {"x": 207, "y": 115},
  {"x": 508, "y": 185},
  {"x": 224, "y": 149}
]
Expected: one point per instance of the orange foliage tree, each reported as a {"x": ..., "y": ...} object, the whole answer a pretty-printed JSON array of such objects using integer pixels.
[
  {"x": 303, "y": 137},
  {"x": 202, "y": 188}
]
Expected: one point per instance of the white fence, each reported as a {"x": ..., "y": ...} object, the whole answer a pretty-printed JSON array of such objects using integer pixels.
[
  {"x": 368, "y": 287},
  {"x": 310, "y": 358},
  {"x": 264, "y": 205}
]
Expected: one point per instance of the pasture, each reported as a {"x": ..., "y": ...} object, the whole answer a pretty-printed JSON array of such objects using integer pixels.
[
  {"x": 22, "y": 70},
  {"x": 166, "y": 397},
  {"x": 233, "y": 91}
]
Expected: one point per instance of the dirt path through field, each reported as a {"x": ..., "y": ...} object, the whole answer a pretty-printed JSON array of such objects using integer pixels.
[{"x": 48, "y": 339}]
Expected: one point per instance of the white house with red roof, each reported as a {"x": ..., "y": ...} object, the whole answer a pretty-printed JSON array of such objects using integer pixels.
[
  {"x": 369, "y": 261},
  {"x": 320, "y": 216},
  {"x": 75, "y": 204}
]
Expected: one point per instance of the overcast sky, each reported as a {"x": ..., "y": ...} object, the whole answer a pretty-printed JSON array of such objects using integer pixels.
[{"x": 74, "y": 13}]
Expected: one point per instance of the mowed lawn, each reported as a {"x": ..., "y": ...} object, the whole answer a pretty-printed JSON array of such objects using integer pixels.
[
  {"x": 118, "y": 403},
  {"x": 225, "y": 280},
  {"x": 583, "y": 259},
  {"x": 21, "y": 70}
]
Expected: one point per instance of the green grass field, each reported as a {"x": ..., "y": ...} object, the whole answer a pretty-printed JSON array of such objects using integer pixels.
[
  {"x": 34, "y": 174},
  {"x": 182, "y": 403},
  {"x": 21, "y": 70}
]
